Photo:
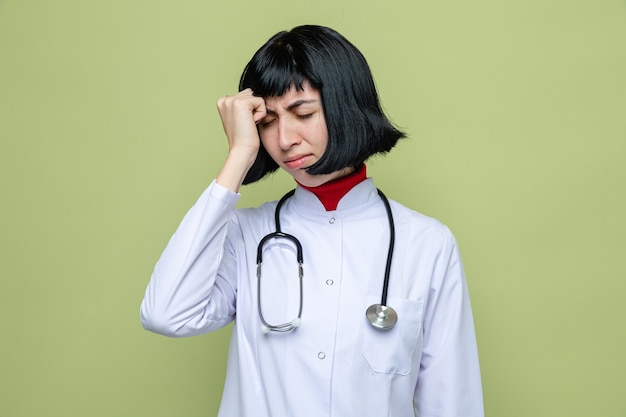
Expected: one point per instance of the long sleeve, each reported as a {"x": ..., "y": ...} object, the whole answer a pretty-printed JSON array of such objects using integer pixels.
[
  {"x": 449, "y": 382},
  {"x": 193, "y": 287}
]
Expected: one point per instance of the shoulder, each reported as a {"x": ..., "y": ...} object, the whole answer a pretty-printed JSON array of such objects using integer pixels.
[
  {"x": 420, "y": 226},
  {"x": 258, "y": 212},
  {"x": 256, "y": 218}
]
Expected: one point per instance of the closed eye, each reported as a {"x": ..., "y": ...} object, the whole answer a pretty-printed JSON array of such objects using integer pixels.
[{"x": 266, "y": 123}]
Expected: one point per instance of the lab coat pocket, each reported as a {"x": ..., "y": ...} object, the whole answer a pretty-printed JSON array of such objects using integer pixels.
[{"x": 391, "y": 351}]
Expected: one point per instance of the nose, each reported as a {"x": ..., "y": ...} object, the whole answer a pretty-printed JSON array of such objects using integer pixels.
[{"x": 287, "y": 135}]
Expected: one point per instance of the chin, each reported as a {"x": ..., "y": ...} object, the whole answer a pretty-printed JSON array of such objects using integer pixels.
[
  {"x": 309, "y": 181},
  {"x": 312, "y": 180}
]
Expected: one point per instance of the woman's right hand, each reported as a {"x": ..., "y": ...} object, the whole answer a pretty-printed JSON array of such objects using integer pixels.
[{"x": 240, "y": 114}]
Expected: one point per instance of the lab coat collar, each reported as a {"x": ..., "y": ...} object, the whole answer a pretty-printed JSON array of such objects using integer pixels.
[{"x": 362, "y": 194}]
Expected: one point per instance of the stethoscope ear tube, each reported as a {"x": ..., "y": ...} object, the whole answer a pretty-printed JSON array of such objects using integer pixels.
[{"x": 285, "y": 327}]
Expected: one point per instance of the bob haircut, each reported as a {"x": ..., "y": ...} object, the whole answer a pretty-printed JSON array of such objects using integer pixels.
[{"x": 357, "y": 127}]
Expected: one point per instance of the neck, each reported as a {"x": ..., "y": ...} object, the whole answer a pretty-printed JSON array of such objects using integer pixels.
[{"x": 332, "y": 192}]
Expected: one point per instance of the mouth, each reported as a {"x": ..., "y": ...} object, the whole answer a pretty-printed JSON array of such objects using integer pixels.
[{"x": 297, "y": 162}]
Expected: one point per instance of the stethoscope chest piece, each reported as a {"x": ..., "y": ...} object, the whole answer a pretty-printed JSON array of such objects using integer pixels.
[{"x": 381, "y": 317}]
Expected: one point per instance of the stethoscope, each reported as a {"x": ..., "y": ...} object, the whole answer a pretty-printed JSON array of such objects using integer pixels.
[{"x": 381, "y": 316}]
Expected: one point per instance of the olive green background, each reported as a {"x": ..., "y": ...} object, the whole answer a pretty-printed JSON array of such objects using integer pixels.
[{"x": 516, "y": 112}]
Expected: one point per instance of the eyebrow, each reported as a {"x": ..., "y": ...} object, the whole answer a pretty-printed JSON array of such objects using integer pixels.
[{"x": 293, "y": 105}]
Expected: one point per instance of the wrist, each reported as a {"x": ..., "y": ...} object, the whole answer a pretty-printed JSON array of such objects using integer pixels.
[{"x": 235, "y": 168}]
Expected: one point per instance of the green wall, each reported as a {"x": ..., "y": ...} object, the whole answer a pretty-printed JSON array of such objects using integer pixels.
[{"x": 516, "y": 113}]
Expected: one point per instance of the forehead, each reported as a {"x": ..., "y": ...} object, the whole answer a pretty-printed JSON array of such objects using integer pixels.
[{"x": 294, "y": 96}]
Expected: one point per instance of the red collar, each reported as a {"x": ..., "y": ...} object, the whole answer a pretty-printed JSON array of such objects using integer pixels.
[{"x": 331, "y": 192}]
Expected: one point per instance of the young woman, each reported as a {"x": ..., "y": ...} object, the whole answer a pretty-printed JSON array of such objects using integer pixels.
[{"x": 344, "y": 303}]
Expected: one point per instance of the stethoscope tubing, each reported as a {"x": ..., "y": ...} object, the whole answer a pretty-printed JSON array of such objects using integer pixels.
[
  {"x": 380, "y": 316},
  {"x": 392, "y": 240}
]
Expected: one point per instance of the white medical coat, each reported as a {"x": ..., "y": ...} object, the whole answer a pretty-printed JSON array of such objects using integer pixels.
[{"x": 335, "y": 364}]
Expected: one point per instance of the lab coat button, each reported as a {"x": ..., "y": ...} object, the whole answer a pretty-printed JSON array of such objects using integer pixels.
[
  {"x": 331, "y": 220},
  {"x": 329, "y": 282},
  {"x": 321, "y": 355}
]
